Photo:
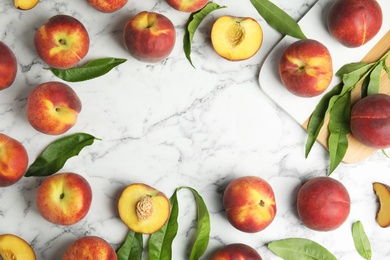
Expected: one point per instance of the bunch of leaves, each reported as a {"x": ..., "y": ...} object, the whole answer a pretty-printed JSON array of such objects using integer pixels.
[
  {"x": 306, "y": 249},
  {"x": 337, "y": 104},
  {"x": 160, "y": 242},
  {"x": 91, "y": 70},
  {"x": 55, "y": 155}
]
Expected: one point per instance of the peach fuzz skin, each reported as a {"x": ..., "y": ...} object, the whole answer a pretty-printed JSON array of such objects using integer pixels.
[
  {"x": 149, "y": 37},
  {"x": 13, "y": 160},
  {"x": 62, "y": 41},
  {"x": 8, "y": 66},
  {"x": 64, "y": 198},
  {"x": 187, "y": 5},
  {"x": 236, "y": 251},
  {"x": 249, "y": 203},
  {"x": 90, "y": 247},
  {"x": 107, "y": 6},
  {"x": 52, "y": 108},
  {"x": 323, "y": 204},
  {"x": 306, "y": 68},
  {"x": 354, "y": 22}
]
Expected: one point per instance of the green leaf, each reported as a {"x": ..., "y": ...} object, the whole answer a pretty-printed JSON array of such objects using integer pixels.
[
  {"x": 386, "y": 68},
  {"x": 353, "y": 77},
  {"x": 92, "y": 69},
  {"x": 360, "y": 239},
  {"x": 160, "y": 242},
  {"x": 350, "y": 67},
  {"x": 375, "y": 79},
  {"x": 317, "y": 118},
  {"x": 57, "y": 153},
  {"x": 132, "y": 248},
  {"x": 192, "y": 25},
  {"x": 278, "y": 19},
  {"x": 339, "y": 128},
  {"x": 300, "y": 249}
]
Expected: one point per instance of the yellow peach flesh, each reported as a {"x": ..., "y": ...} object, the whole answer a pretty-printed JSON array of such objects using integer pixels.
[
  {"x": 383, "y": 193},
  {"x": 13, "y": 248},
  {"x": 25, "y": 4},
  {"x": 236, "y": 38},
  {"x": 143, "y": 209}
]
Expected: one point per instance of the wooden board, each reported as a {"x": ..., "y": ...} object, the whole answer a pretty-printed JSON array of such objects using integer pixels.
[{"x": 357, "y": 151}]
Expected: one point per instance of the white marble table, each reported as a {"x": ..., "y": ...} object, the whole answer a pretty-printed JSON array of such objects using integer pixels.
[{"x": 170, "y": 125}]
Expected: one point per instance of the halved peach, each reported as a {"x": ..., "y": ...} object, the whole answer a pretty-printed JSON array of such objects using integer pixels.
[
  {"x": 14, "y": 247},
  {"x": 25, "y": 4},
  {"x": 236, "y": 38},
  {"x": 383, "y": 215},
  {"x": 143, "y": 208}
]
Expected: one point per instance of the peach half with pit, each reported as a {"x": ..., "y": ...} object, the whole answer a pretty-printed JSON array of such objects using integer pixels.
[
  {"x": 249, "y": 202},
  {"x": 370, "y": 121},
  {"x": 323, "y": 204},
  {"x": 354, "y": 22},
  {"x": 13, "y": 160},
  {"x": 90, "y": 247},
  {"x": 306, "y": 68},
  {"x": 143, "y": 209},
  {"x": 53, "y": 107},
  {"x": 8, "y": 66},
  {"x": 236, "y": 38},
  {"x": 14, "y": 247}
]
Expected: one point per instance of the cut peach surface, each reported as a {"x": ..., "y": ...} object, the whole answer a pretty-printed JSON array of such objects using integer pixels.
[
  {"x": 13, "y": 247},
  {"x": 383, "y": 192},
  {"x": 25, "y": 4},
  {"x": 236, "y": 38},
  {"x": 143, "y": 208}
]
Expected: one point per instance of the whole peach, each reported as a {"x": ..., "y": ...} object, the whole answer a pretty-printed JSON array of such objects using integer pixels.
[
  {"x": 250, "y": 204},
  {"x": 149, "y": 37},
  {"x": 52, "y": 108},
  {"x": 8, "y": 66},
  {"x": 187, "y": 6},
  {"x": 354, "y": 22},
  {"x": 323, "y": 204},
  {"x": 13, "y": 160},
  {"x": 306, "y": 68},
  {"x": 90, "y": 247},
  {"x": 107, "y": 6},
  {"x": 236, "y": 251},
  {"x": 370, "y": 121}
]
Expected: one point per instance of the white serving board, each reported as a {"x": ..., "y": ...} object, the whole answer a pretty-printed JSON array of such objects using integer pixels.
[{"x": 313, "y": 24}]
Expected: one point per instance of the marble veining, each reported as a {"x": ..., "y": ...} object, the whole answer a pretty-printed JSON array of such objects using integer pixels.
[{"x": 171, "y": 125}]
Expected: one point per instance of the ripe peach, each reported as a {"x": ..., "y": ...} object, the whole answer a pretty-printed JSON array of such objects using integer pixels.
[
  {"x": 187, "y": 5},
  {"x": 13, "y": 160},
  {"x": 90, "y": 247},
  {"x": 8, "y": 66},
  {"x": 143, "y": 208},
  {"x": 354, "y": 22},
  {"x": 236, "y": 38},
  {"x": 306, "y": 68},
  {"x": 52, "y": 108},
  {"x": 13, "y": 247},
  {"x": 107, "y": 6},
  {"x": 250, "y": 204},
  {"x": 62, "y": 41},
  {"x": 149, "y": 37},
  {"x": 236, "y": 251},
  {"x": 370, "y": 121},
  {"x": 64, "y": 198},
  {"x": 323, "y": 204}
]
